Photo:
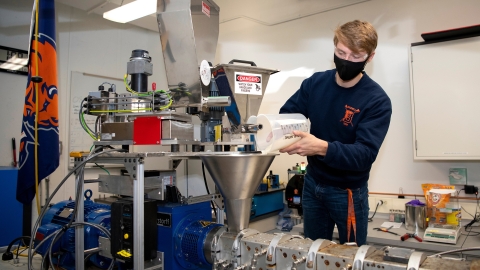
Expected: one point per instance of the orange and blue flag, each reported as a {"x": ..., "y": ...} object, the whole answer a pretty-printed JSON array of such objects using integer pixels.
[{"x": 39, "y": 144}]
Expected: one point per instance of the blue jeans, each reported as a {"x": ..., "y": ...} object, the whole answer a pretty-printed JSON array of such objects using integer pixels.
[{"x": 324, "y": 206}]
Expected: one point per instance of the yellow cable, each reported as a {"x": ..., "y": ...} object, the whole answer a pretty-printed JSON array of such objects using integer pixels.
[
  {"x": 85, "y": 127},
  {"x": 145, "y": 94},
  {"x": 36, "y": 108},
  {"x": 113, "y": 111},
  {"x": 126, "y": 84},
  {"x": 20, "y": 250},
  {"x": 168, "y": 105}
]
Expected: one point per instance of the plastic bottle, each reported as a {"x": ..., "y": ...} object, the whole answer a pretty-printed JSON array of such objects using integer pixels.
[
  {"x": 270, "y": 179},
  {"x": 302, "y": 167},
  {"x": 391, "y": 217},
  {"x": 397, "y": 215}
]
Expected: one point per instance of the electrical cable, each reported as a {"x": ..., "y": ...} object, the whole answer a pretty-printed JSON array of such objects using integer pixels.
[
  {"x": 467, "y": 212},
  {"x": 475, "y": 219},
  {"x": 102, "y": 167},
  {"x": 44, "y": 209},
  {"x": 83, "y": 124},
  {"x": 370, "y": 219},
  {"x": 96, "y": 164},
  {"x": 97, "y": 125},
  {"x": 454, "y": 250},
  {"x": 148, "y": 94},
  {"x": 86, "y": 127},
  {"x": 18, "y": 248},
  {"x": 65, "y": 228},
  {"x": 20, "y": 254},
  {"x": 208, "y": 191},
  {"x": 114, "y": 111},
  {"x": 8, "y": 255},
  {"x": 470, "y": 231}
]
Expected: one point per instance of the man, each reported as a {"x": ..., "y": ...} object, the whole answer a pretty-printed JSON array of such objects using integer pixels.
[{"x": 349, "y": 115}]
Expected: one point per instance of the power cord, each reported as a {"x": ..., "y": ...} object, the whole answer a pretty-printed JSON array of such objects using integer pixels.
[
  {"x": 380, "y": 202},
  {"x": 8, "y": 255},
  {"x": 476, "y": 218}
]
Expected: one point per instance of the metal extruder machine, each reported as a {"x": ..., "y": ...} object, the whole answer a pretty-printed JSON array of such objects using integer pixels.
[{"x": 151, "y": 225}]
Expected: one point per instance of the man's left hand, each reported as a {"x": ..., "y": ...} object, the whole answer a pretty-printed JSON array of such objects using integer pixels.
[{"x": 308, "y": 145}]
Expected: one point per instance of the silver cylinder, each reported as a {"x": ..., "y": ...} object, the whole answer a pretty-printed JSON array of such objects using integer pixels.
[
  {"x": 415, "y": 217},
  {"x": 210, "y": 243},
  {"x": 238, "y": 214},
  {"x": 223, "y": 101}
]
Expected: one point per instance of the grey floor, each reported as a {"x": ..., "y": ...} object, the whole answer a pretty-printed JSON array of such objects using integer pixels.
[{"x": 22, "y": 264}]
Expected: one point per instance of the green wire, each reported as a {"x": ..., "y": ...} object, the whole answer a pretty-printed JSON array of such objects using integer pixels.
[
  {"x": 84, "y": 124},
  {"x": 99, "y": 166},
  {"x": 148, "y": 94}
]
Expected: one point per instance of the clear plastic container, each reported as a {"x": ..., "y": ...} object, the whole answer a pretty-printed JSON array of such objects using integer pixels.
[
  {"x": 277, "y": 130},
  {"x": 391, "y": 217}
]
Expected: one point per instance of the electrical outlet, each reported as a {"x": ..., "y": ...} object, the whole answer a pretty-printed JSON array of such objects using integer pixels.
[{"x": 383, "y": 205}]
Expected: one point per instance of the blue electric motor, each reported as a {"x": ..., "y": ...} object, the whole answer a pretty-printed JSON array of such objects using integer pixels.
[
  {"x": 58, "y": 216},
  {"x": 183, "y": 231}
]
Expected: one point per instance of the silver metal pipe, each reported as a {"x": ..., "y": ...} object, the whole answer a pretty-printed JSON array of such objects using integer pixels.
[
  {"x": 223, "y": 101},
  {"x": 93, "y": 250},
  {"x": 79, "y": 230},
  {"x": 138, "y": 215}
]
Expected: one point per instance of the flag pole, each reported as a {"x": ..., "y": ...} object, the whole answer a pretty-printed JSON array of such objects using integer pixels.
[{"x": 36, "y": 107}]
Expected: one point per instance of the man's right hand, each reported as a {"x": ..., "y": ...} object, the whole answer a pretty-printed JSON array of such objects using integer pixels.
[{"x": 308, "y": 145}]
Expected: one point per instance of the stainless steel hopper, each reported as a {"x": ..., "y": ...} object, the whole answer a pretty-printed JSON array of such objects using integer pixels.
[
  {"x": 237, "y": 176},
  {"x": 188, "y": 34},
  {"x": 242, "y": 105}
]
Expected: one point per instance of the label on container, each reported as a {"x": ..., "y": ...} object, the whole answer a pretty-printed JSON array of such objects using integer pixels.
[
  {"x": 206, "y": 9},
  {"x": 248, "y": 83}
]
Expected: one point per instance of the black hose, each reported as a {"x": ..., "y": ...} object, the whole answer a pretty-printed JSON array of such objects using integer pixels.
[
  {"x": 208, "y": 191},
  {"x": 8, "y": 253}
]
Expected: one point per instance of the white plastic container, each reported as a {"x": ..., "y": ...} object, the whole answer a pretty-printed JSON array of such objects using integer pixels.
[{"x": 277, "y": 130}]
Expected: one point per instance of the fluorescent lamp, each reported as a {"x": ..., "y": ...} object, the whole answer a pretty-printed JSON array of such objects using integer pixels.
[
  {"x": 131, "y": 11},
  {"x": 14, "y": 63}
]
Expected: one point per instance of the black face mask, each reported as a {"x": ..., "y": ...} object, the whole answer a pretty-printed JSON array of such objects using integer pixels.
[{"x": 348, "y": 70}]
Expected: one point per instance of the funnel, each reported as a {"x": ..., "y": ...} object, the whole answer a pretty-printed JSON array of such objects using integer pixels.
[{"x": 237, "y": 176}]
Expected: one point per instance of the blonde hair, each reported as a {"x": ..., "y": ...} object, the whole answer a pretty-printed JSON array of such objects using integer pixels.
[{"x": 357, "y": 36}]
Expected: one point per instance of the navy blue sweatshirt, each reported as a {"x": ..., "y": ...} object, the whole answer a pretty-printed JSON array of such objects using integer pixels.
[{"x": 354, "y": 122}]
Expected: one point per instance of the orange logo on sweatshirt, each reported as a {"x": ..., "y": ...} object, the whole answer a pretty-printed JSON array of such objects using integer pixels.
[{"x": 348, "y": 117}]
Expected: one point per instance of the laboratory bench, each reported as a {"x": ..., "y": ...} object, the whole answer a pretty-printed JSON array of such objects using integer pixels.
[{"x": 380, "y": 239}]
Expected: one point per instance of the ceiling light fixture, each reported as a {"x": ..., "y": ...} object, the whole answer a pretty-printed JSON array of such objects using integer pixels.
[{"x": 131, "y": 11}]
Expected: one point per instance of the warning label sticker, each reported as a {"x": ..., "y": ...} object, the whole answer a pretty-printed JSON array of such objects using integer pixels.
[
  {"x": 206, "y": 9},
  {"x": 248, "y": 83}
]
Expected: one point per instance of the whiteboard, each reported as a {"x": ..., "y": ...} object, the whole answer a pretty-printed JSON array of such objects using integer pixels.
[
  {"x": 445, "y": 98},
  {"x": 80, "y": 85}
]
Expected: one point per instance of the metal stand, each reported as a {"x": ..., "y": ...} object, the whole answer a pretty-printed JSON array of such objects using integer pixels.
[{"x": 134, "y": 163}]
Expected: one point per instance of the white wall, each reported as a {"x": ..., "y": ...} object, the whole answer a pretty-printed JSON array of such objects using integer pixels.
[
  {"x": 88, "y": 43},
  {"x": 305, "y": 45}
]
